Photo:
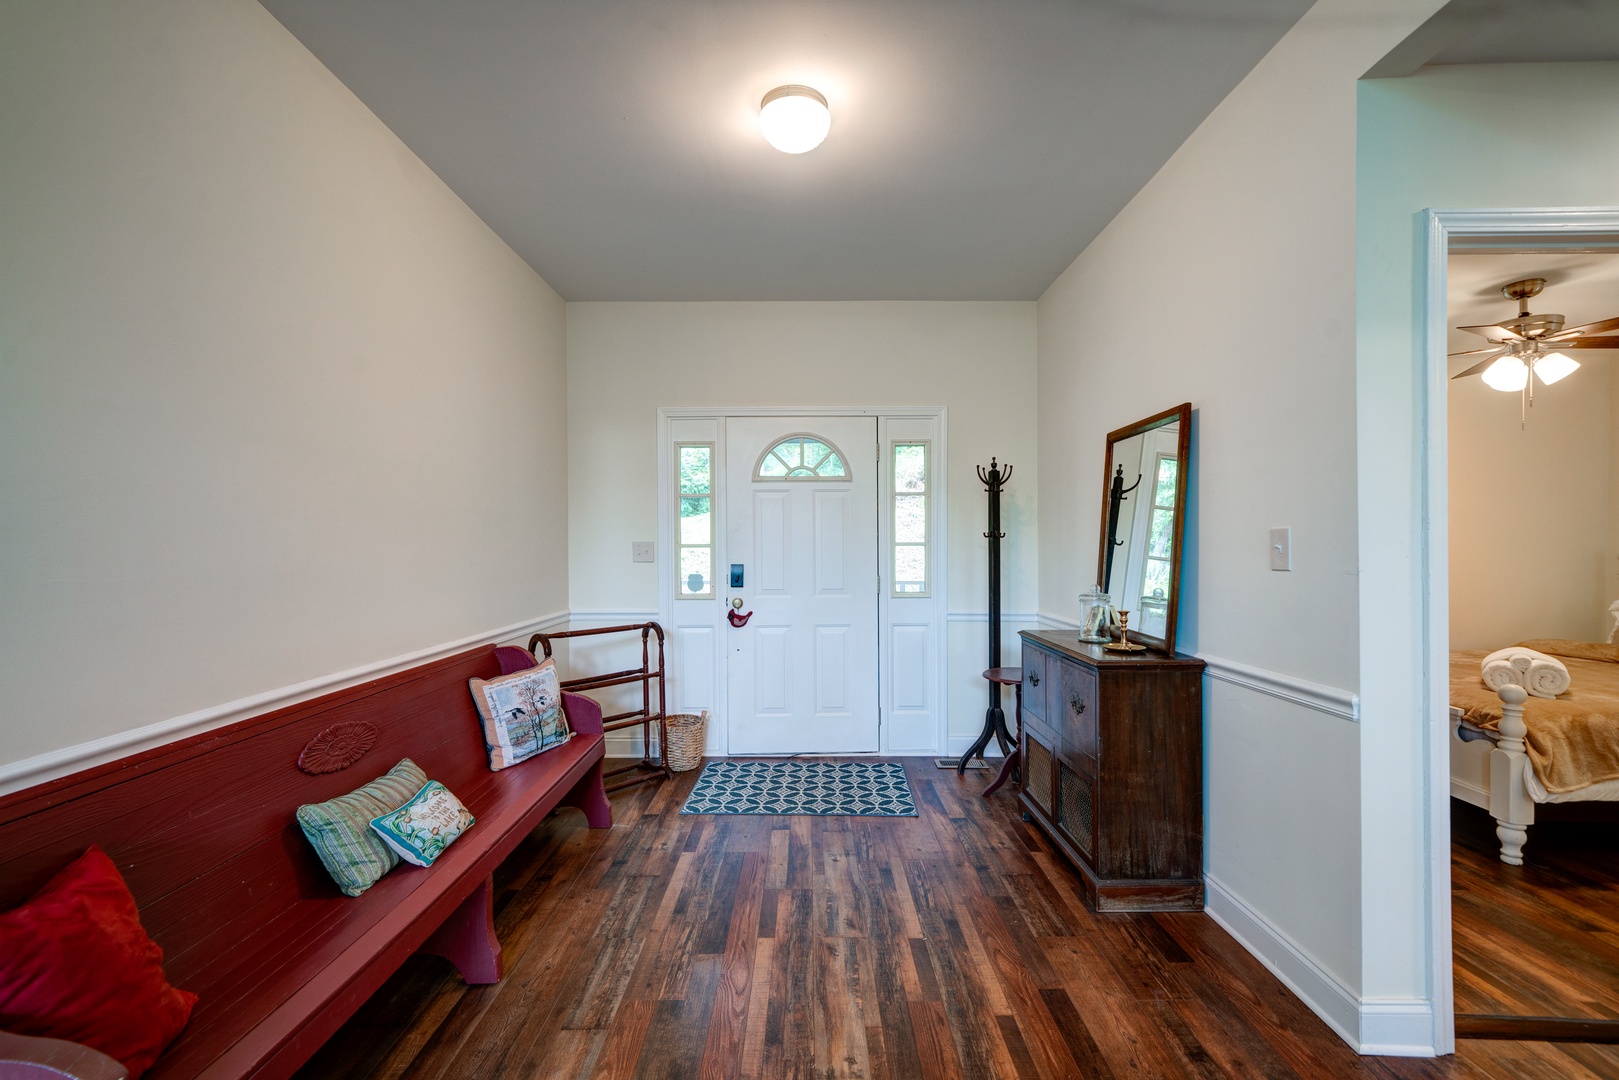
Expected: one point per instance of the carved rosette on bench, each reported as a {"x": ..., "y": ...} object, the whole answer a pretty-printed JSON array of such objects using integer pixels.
[{"x": 337, "y": 747}]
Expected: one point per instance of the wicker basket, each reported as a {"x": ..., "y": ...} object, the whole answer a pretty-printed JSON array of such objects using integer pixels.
[{"x": 688, "y": 733}]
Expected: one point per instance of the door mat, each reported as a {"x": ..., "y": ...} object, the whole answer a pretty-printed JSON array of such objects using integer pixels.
[{"x": 822, "y": 788}]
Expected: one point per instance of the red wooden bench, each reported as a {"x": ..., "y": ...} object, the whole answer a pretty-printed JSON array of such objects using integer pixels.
[{"x": 203, "y": 831}]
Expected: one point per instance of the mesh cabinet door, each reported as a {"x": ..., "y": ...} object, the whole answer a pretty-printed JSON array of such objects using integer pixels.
[
  {"x": 1074, "y": 792},
  {"x": 1037, "y": 769}
]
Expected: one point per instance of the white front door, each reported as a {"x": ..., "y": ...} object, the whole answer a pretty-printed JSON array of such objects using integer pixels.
[{"x": 801, "y": 524}]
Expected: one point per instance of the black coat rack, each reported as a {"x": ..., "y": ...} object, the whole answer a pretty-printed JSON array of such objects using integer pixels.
[{"x": 994, "y": 480}]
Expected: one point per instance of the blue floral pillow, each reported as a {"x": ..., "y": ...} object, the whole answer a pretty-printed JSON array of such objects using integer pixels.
[{"x": 419, "y": 831}]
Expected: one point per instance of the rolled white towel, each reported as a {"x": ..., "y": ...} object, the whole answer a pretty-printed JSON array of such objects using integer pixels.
[
  {"x": 1541, "y": 675},
  {"x": 1499, "y": 673},
  {"x": 1548, "y": 676},
  {"x": 1506, "y": 667}
]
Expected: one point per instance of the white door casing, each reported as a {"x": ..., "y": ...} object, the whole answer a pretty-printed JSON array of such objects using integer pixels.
[
  {"x": 803, "y": 671},
  {"x": 1444, "y": 232}
]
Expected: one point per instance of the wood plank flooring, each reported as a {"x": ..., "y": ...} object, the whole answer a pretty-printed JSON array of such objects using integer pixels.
[
  {"x": 951, "y": 945},
  {"x": 1541, "y": 939}
]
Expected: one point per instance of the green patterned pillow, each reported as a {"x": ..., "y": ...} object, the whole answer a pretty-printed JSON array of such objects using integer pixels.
[{"x": 340, "y": 829}]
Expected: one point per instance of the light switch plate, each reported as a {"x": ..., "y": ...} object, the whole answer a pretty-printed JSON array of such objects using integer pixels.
[
  {"x": 641, "y": 551},
  {"x": 1281, "y": 549}
]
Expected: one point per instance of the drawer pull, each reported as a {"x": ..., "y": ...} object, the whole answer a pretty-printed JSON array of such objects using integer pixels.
[
  {"x": 1034, "y": 680},
  {"x": 1078, "y": 705}
]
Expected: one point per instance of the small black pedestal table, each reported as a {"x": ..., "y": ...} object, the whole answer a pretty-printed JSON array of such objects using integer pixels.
[{"x": 1007, "y": 676}]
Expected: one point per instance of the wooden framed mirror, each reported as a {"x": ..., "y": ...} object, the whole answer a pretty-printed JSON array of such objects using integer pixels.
[{"x": 1144, "y": 521}]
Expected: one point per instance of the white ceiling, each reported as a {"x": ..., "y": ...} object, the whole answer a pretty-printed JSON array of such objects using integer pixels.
[
  {"x": 976, "y": 147},
  {"x": 1582, "y": 287}
]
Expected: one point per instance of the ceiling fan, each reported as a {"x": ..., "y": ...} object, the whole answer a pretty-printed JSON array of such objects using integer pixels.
[{"x": 1532, "y": 345}]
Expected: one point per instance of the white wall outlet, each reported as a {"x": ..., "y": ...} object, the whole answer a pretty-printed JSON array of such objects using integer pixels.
[
  {"x": 641, "y": 551},
  {"x": 1281, "y": 549}
]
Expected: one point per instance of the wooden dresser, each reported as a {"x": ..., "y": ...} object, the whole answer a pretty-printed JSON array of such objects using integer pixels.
[{"x": 1113, "y": 768}]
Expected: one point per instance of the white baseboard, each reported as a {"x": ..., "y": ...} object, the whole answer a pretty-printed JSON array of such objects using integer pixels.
[
  {"x": 17, "y": 775},
  {"x": 1395, "y": 1027},
  {"x": 627, "y": 743},
  {"x": 956, "y": 745}
]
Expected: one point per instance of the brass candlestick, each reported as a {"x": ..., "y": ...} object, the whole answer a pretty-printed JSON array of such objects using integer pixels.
[{"x": 1124, "y": 644}]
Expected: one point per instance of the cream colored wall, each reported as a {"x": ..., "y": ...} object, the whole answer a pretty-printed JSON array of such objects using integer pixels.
[
  {"x": 1530, "y": 504},
  {"x": 1434, "y": 141},
  {"x": 274, "y": 403},
  {"x": 625, "y": 360},
  {"x": 1229, "y": 282}
]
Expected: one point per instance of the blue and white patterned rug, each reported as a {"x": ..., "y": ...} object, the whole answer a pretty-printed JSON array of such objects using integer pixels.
[{"x": 826, "y": 788}]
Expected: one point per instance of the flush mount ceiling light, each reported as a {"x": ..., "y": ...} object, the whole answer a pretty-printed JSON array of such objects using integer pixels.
[{"x": 794, "y": 119}]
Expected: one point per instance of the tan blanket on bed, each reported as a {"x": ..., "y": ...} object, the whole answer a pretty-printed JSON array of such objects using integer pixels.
[{"x": 1573, "y": 739}]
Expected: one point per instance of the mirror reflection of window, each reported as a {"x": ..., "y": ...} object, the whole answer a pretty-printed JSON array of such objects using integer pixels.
[{"x": 1154, "y": 602}]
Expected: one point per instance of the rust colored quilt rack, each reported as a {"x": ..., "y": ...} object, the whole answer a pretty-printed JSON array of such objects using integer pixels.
[{"x": 650, "y": 767}]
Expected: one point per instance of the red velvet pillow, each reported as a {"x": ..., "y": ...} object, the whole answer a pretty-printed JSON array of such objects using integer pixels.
[{"x": 75, "y": 964}]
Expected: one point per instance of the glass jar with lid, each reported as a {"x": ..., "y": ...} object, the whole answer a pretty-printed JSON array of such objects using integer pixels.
[{"x": 1096, "y": 616}]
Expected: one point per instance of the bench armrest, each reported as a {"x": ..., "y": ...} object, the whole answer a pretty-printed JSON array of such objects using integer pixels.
[
  {"x": 584, "y": 715},
  {"x": 23, "y": 1057}
]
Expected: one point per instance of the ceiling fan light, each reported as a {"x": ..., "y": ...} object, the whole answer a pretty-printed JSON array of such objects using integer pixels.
[
  {"x": 1554, "y": 366},
  {"x": 794, "y": 119},
  {"x": 1508, "y": 374}
]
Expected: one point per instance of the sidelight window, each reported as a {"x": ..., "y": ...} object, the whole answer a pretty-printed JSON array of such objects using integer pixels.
[
  {"x": 694, "y": 521},
  {"x": 912, "y": 494}
]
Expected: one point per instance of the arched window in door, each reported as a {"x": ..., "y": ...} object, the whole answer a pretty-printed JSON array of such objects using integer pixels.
[{"x": 802, "y": 456}]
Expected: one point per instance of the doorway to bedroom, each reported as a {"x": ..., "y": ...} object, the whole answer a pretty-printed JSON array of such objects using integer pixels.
[{"x": 1532, "y": 461}]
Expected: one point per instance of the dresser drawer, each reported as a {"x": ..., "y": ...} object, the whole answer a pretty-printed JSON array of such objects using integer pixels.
[
  {"x": 1077, "y": 701},
  {"x": 1035, "y": 676}
]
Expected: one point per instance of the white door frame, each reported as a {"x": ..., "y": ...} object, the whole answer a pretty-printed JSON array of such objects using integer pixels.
[
  {"x": 718, "y": 729},
  {"x": 1445, "y": 231}
]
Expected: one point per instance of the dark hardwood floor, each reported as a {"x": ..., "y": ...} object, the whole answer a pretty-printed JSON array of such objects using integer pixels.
[
  {"x": 951, "y": 945},
  {"x": 1541, "y": 939}
]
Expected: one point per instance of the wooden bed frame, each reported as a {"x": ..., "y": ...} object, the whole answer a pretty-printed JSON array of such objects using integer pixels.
[
  {"x": 1507, "y": 796},
  {"x": 1490, "y": 769}
]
